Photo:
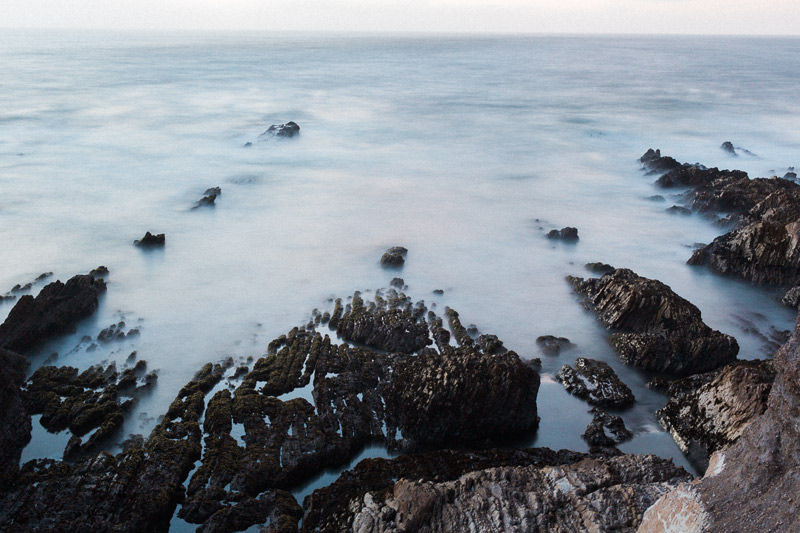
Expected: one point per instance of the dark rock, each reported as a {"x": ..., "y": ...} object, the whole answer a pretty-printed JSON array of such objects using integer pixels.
[
  {"x": 248, "y": 144},
  {"x": 397, "y": 250},
  {"x": 728, "y": 147},
  {"x": 491, "y": 344},
  {"x": 7, "y": 298},
  {"x": 710, "y": 416},
  {"x": 654, "y": 162},
  {"x": 657, "y": 330},
  {"x": 392, "y": 260},
  {"x": 599, "y": 268},
  {"x": 43, "y": 276},
  {"x": 392, "y": 329},
  {"x": 564, "y": 234},
  {"x": 438, "y": 292},
  {"x": 462, "y": 396},
  {"x": 606, "y": 430},
  {"x": 15, "y": 421},
  {"x": 790, "y": 176},
  {"x": 213, "y": 190},
  {"x": 397, "y": 282},
  {"x": 678, "y": 210},
  {"x": 656, "y": 198},
  {"x": 99, "y": 272},
  {"x": 751, "y": 485},
  {"x": 493, "y": 490},
  {"x": 596, "y": 382},
  {"x": 56, "y": 309},
  {"x": 205, "y": 201},
  {"x": 290, "y": 129},
  {"x": 551, "y": 345},
  {"x": 792, "y": 298},
  {"x": 698, "y": 175},
  {"x": 150, "y": 240}
]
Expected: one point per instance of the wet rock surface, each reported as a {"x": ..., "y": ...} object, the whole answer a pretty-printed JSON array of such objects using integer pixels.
[
  {"x": 493, "y": 490},
  {"x": 151, "y": 240},
  {"x": 136, "y": 490},
  {"x": 394, "y": 257},
  {"x": 206, "y": 201},
  {"x": 751, "y": 485},
  {"x": 792, "y": 298},
  {"x": 605, "y": 429},
  {"x": 599, "y": 268},
  {"x": 656, "y": 330},
  {"x": 290, "y": 129},
  {"x": 596, "y": 382},
  {"x": 55, "y": 310},
  {"x": 709, "y": 412}
]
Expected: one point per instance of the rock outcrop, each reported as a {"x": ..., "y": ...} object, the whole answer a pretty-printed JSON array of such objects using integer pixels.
[
  {"x": 290, "y": 129},
  {"x": 151, "y": 241},
  {"x": 15, "y": 421},
  {"x": 564, "y": 234},
  {"x": 55, "y": 310},
  {"x": 656, "y": 330},
  {"x": 596, "y": 382},
  {"x": 605, "y": 429},
  {"x": 712, "y": 416},
  {"x": 394, "y": 257},
  {"x": 552, "y": 345},
  {"x": 493, "y": 490},
  {"x": 753, "y": 484}
]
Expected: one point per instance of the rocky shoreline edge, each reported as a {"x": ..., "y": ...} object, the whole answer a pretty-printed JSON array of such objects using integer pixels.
[{"x": 237, "y": 438}]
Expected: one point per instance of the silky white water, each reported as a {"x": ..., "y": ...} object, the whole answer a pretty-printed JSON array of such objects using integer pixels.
[{"x": 453, "y": 147}]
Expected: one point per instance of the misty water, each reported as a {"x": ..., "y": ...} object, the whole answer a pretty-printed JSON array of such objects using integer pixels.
[{"x": 464, "y": 150}]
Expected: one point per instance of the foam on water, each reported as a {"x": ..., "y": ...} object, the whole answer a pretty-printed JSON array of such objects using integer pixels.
[{"x": 464, "y": 150}]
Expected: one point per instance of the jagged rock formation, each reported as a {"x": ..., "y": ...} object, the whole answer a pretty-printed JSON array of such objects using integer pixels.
[
  {"x": 657, "y": 330},
  {"x": 151, "y": 240},
  {"x": 56, "y": 309},
  {"x": 493, "y": 490},
  {"x": 605, "y": 429},
  {"x": 753, "y": 484},
  {"x": 596, "y": 382},
  {"x": 564, "y": 234},
  {"x": 552, "y": 345},
  {"x": 136, "y": 490},
  {"x": 709, "y": 413},
  {"x": 764, "y": 245}
]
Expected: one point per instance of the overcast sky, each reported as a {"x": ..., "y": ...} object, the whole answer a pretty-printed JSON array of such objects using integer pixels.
[{"x": 766, "y": 17}]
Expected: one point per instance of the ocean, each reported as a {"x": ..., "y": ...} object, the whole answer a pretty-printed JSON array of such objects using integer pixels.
[{"x": 464, "y": 149}]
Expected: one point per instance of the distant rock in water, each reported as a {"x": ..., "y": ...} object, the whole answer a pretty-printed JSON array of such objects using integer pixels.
[
  {"x": 394, "y": 257},
  {"x": 596, "y": 382},
  {"x": 727, "y": 146},
  {"x": 55, "y": 310},
  {"x": 656, "y": 330},
  {"x": 397, "y": 283},
  {"x": 564, "y": 234},
  {"x": 606, "y": 430},
  {"x": 654, "y": 162},
  {"x": 290, "y": 129},
  {"x": 656, "y": 198},
  {"x": 99, "y": 271},
  {"x": 678, "y": 210},
  {"x": 206, "y": 201},
  {"x": 149, "y": 240},
  {"x": 598, "y": 268}
]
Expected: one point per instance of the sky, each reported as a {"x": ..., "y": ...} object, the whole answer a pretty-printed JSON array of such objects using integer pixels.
[{"x": 727, "y": 17}]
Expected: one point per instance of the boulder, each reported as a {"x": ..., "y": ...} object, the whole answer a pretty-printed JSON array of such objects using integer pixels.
[
  {"x": 55, "y": 310},
  {"x": 564, "y": 234},
  {"x": 596, "y": 382},
  {"x": 655, "y": 329},
  {"x": 605, "y": 430},
  {"x": 727, "y": 146},
  {"x": 552, "y": 345},
  {"x": 206, "y": 201}
]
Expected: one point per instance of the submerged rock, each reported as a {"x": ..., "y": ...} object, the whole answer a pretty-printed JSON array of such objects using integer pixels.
[
  {"x": 678, "y": 210},
  {"x": 99, "y": 271},
  {"x": 598, "y": 268},
  {"x": 564, "y": 234},
  {"x": 205, "y": 201},
  {"x": 55, "y": 310},
  {"x": 656, "y": 330},
  {"x": 727, "y": 146},
  {"x": 551, "y": 345},
  {"x": 712, "y": 416},
  {"x": 394, "y": 257},
  {"x": 596, "y": 382},
  {"x": 290, "y": 129},
  {"x": 493, "y": 490},
  {"x": 150, "y": 240}
]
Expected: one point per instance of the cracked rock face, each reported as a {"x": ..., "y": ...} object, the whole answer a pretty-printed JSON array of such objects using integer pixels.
[
  {"x": 655, "y": 329},
  {"x": 592, "y": 494},
  {"x": 55, "y": 310},
  {"x": 713, "y": 416},
  {"x": 596, "y": 382},
  {"x": 15, "y": 421},
  {"x": 753, "y": 484}
]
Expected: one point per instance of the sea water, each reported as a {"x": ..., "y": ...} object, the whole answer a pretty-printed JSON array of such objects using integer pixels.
[{"x": 465, "y": 150}]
